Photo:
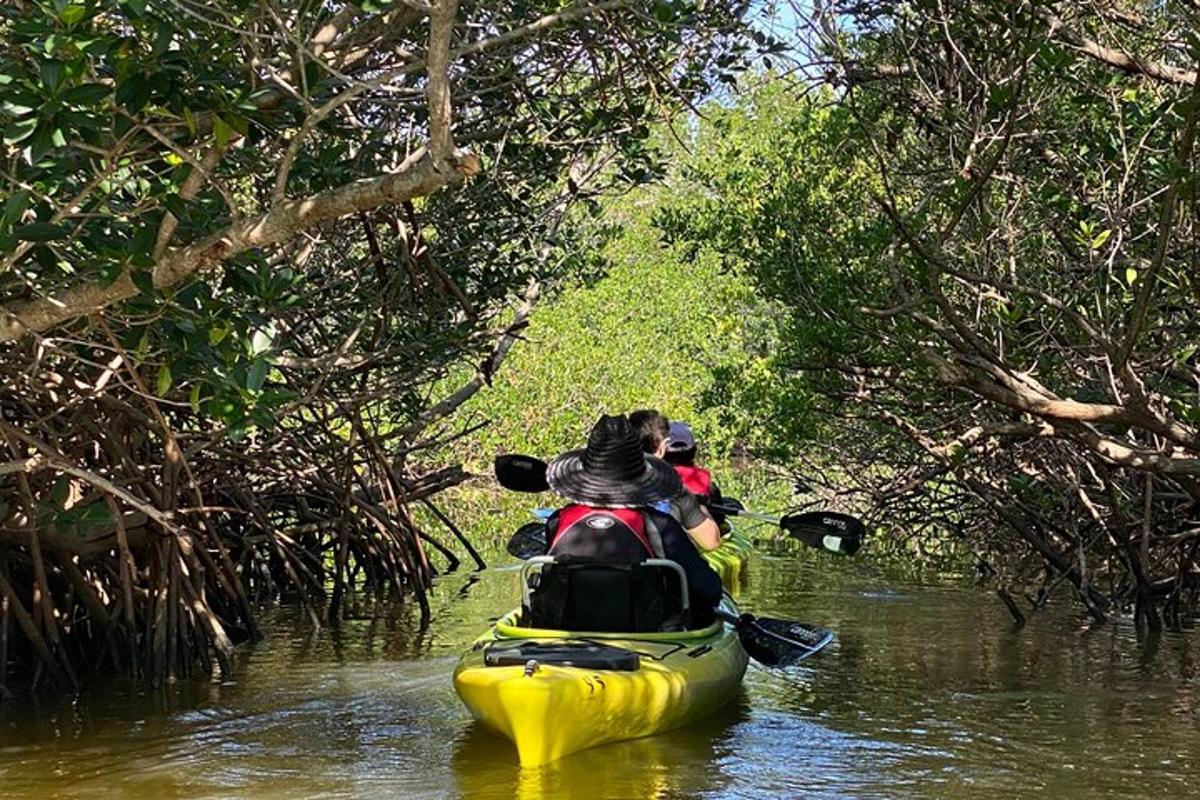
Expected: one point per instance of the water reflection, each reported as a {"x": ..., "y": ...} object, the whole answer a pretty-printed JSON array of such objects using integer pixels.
[
  {"x": 649, "y": 768},
  {"x": 929, "y": 692}
]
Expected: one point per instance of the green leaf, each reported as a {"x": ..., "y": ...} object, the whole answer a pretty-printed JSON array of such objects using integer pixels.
[
  {"x": 257, "y": 374},
  {"x": 94, "y": 515},
  {"x": 143, "y": 345},
  {"x": 51, "y": 74},
  {"x": 40, "y": 232},
  {"x": 144, "y": 280},
  {"x": 194, "y": 398},
  {"x": 238, "y": 430},
  {"x": 958, "y": 454},
  {"x": 109, "y": 274},
  {"x": 134, "y": 92},
  {"x": 162, "y": 39},
  {"x": 142, "y": 242},
  {"x": 163, "y": 384},
  {"x": 20, "y": 102},
  {"x": 18, "y": 201},
  {"x": 664, "y": 12},
  {"x": 237, "y": 122},
  {"x": 86, "y": 94},
  {"x": 40, "y": 144},
  {"x": 1100, "y": 239},
  {"x": 260, "y": 340},
  {"x": 1130, "y": 275},
  {"x": 221, "y": 131},
  {"x": 20, "y": 130},
  {"x": 72, "y": 14}
]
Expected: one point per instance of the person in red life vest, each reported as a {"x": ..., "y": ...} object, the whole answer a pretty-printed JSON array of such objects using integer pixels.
[
  {"x": 681, "y": 454},
  {"x": 612, "y": 517},
  {"x": 654, "y": 432}
]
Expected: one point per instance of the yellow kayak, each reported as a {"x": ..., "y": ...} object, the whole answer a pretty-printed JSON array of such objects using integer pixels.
[
  {"x": 729, "y": 560},
  {"x": 626, "y": 685}
]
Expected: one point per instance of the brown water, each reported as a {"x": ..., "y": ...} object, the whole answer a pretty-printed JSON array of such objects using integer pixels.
[{"x": 928, "y": 693}]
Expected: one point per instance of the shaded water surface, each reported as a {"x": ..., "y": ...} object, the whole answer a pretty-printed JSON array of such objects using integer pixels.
[{"x": 928, "y": 693}]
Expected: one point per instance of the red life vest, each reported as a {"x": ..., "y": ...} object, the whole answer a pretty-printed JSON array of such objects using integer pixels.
[
  {"x": 696, "y": 480},
  {"x": 604, "y": 528}
]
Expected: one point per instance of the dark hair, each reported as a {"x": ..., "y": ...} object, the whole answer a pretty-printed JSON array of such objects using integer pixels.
[{"x": 652, "y": 428}]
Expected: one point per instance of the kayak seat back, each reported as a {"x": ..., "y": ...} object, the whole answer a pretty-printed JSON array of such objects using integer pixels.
[{"x": 576, "y": 594}]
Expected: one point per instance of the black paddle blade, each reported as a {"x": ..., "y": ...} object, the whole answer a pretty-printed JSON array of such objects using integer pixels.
[
  {"x": 781, "y": 642},
  {"x": 826, "y": 530},
  {"x": 521, "y": 473},
  {"x": 528, "y": 541}
]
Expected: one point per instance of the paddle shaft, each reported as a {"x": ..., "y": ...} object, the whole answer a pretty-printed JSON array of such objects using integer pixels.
[
  {"x": 741, "y": 512},
  {"x": 835, "y": 532}
]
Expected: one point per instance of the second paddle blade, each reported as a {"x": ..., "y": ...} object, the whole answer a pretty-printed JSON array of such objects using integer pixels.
[
  {"x": 764, "y": 641},
  {"x": 528, "y": 541},
  {"x": 521, "y": 473},
  {"x": 826, "y": 530}
]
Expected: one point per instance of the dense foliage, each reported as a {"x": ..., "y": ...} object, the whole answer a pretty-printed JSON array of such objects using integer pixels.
[
  {"x": 984, "y": 232},
  {"x": 654, "y": 328},
  {"x": 239, "y": 240},
  {"x": 649, "y": 333}
]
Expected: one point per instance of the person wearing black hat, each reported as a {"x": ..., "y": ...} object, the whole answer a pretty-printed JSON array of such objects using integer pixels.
[{"x": 613, "y": 488}]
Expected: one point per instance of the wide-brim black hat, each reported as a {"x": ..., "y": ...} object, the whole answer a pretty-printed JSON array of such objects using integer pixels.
[{"x": 612, "y": 471}]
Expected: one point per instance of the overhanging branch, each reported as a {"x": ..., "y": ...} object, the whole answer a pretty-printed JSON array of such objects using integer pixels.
[{"x": 417, "y": 177}]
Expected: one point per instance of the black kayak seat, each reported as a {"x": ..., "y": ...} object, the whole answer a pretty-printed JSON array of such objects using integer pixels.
[{"x": 587, "y": 595}]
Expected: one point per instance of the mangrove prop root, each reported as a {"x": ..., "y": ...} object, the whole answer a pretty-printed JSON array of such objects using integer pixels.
[{"x": 151, "y": 562}]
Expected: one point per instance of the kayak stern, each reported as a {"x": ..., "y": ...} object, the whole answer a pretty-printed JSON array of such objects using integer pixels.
[{"x": 549, "y": 711}]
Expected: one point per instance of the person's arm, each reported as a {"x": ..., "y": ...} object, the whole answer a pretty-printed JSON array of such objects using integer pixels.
[
  {"x": 695, "y": 520},
  {"x": 704, "y": 585},
  {"x": 714, "y": 498}
]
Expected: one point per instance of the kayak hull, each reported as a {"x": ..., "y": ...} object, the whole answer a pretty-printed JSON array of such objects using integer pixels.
[
  {"x": 729, "y": 560},
  {"x": 549, "y": 711}
]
